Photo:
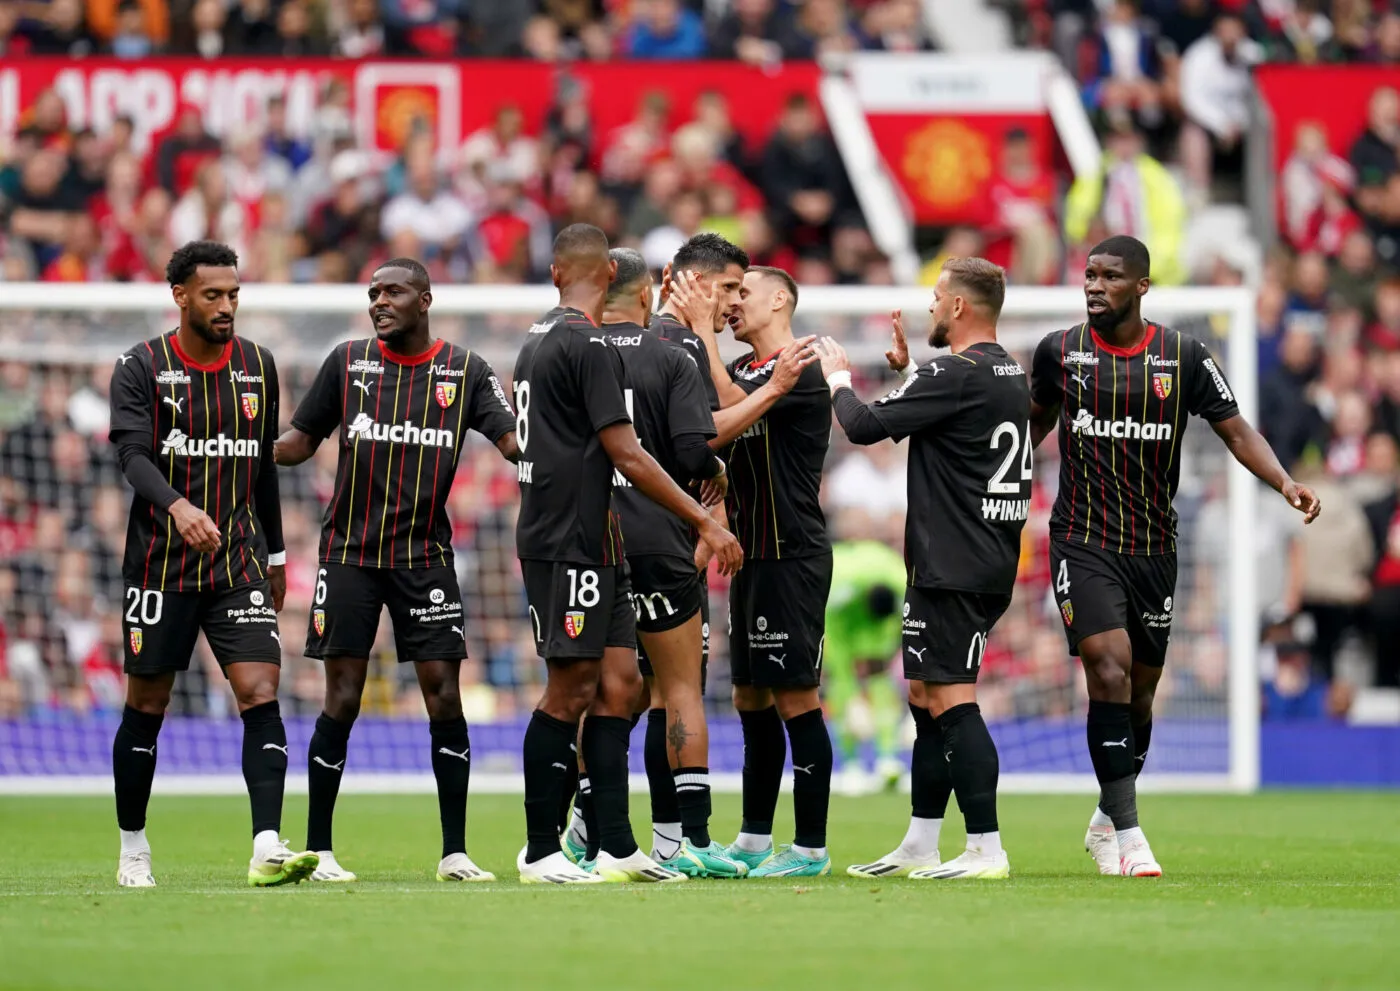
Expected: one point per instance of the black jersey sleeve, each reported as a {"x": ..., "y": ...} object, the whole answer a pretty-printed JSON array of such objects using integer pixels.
[
  {"x": 1047, "y": 374},
  {"x": 688, "y": 409},
  {"x": 267, "y": 496},
  {"x": 490, "y": 413},
  {"x": 929, "y": 397},
  {"x": 132, "y": 431},
  {"x": 1210, "y": 396},
  {"x": 598, "y": 371},
  {"x": 859, "y": 422},
  {"x": 320, "y": 411}
]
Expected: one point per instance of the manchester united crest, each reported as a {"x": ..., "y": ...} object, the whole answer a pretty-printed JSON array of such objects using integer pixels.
[
  {"x": 250, "y": 405},
  {"x": 573, "y": 624},
  {"x": 1162, "y": 384},
  {"x": 318, "y": 621},
  {"x": 136, "y": 640},
  {"x": 445, "y": 392},
  {"x": 1067, "y": 611}
]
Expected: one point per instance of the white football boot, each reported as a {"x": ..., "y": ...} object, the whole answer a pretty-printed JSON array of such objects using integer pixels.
[
  {"x": 459, "y": 867},
  {"x": 329, "y": 870},
  {"x": 971, "y": 865},
  {"x": 896, "y": 864},
  {"x": 1135, "y": 855},
  {"x": 1102, "y": 844},
  {"x": 554, "y": 869},
  {"x": 638, "y": 867},
  {"x": 134, "y": 870}
]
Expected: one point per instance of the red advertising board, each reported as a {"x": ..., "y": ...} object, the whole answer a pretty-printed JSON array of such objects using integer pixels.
[
  {"x": 1334, "y": 96},
  {"x": 457, "y": 96}
]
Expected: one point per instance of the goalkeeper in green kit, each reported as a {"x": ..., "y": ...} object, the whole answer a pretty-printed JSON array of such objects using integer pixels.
[{"x": 863, "y": 630}]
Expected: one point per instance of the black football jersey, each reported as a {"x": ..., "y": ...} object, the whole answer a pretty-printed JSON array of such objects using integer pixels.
[
  {"x": 210, "y": 430},
  {"x": 967, "y": 417},
  {"x": 668, "y": 328},
  {"x": 1122, "y": 417},
  {"x": 402, "y": 421},
  {"x": 665, "y": 398},
  {"x": 775, "y": 466},
  {"x": 568, "y": 386}
]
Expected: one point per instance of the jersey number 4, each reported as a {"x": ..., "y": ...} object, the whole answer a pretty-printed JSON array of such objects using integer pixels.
[{"x": 1008, "y": 430}]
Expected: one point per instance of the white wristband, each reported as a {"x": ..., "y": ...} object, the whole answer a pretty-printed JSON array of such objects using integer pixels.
[
  {"x": 907, "y": 372},
  {"x": 839, "y": 380},
  {"x": 280, "y": 558}
]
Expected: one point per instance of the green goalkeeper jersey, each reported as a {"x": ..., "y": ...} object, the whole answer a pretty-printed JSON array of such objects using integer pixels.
[{"x": 853, "y": 632}]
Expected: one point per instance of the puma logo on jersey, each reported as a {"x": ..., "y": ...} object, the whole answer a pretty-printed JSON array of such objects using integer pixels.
[
  {"x": 124, "y": 358},
  {"x": 918, "y": 653},
  {"x": 1129, "y": 429},
  {"x": 598, "y": 340},
  {"x": 458, "y": 630},
  {"x": 276, "y": 636},
  {"x": 937, "y": 370},
  {"x": 779, "y": 659},
  {"x": 362, "y": 385},
  {"x": 178, "y": 405},
  {"x": 1082, "y": 379}
]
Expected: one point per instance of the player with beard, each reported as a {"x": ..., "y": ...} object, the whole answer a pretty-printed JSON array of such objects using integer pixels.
[
  {"x": 966, "y": 415},
  {"x": 777, "y": 604},
  {"x": 665, "y": 394},
  {"x": 1120, "y": 388},
  {"x": 574, "y": 430},
  {"x": 401, "y": 404},
  {"x": 204, "y": 548},
  {"x": 711, "y": 270}
]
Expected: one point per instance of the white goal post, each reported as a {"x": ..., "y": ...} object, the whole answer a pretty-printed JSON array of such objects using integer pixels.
[{"x": 131, "y": 312}]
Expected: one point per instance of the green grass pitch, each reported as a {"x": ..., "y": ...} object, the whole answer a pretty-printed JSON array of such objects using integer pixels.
[{"x": 1281, "y": 890}]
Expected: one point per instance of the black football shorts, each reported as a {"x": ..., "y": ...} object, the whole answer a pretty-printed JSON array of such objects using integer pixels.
[
  {"x": 1099, "y": 590},
  {"x": 945, "y": 633},
  {"x": 425, "y": 606},
  {"x": 578, "y": 610},
  {"x": 702, "y": 605},
  {"x": 162, "y": 627},
  {"x": 777, "y": 622},
  {"x": 666, "y": 591}
]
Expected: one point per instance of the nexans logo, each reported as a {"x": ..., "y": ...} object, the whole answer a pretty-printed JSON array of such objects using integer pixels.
[
  {"x": 1129, "y": 429},
  {"x": 220, "y": 446},
  {"x": 364, "y": 428}
]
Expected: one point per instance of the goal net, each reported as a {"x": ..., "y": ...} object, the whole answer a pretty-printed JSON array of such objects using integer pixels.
[{"x": 63, "y": 516}]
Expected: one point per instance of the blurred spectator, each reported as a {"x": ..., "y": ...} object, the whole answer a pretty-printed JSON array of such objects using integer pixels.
[
  {"x": 711, "y": 111},
  {"x": 44, "y": 204},
  {"x": 664, "y": 29},
  {"x": 252, "y": 172},
  {"x": 686, "y": 212},
  {"x": 760, "y": 32},
  {"x": 802, "y": 177},
  {"x": 206, "y": 33},
  {"x": 1215, "y": 89},
  {"x": 1338, "y": 556},
  {"x": 1023, "y": 236},
  {"x": 132, "y": 37},
  {"x": 1384, "y": 332},
  {"x": 631, "y": 148},
  {"x": 207, "y": 211},
  {"x": 1134, "y": 194},
  {"x": 280, "y": 140},
  {"x": 1354, "y": 274},
  {"x": 504, "y": 144},
  {"x": 81, "y": 259},
  {"x": 362, "y": 35},
  {"x": 511, "y": 240},
  {"x": 1285, "y": 417},
  {"x": 1296, "y": 692},
  {"x": 1125, "y": 76},
  {"x": 1383, "y": 516},
  {"x": 58, "y": 28},
  {"x": 425, "y": 208},
  {"x": 181, "y": 153},
  {"x": 894, "y": 26},
  {"x": 1308, "y": 174}
]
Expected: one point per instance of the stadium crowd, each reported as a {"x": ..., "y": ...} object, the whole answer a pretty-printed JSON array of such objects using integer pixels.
[{"x": 1166, "y": 80}]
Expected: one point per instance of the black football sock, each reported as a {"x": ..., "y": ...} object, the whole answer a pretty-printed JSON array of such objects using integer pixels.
[
  {"x": 692, "y": 787},
  {"x": 765, "y": 753},
  {"x": 566, "y": 797},
  {"x": 972, "y": 764},
  {"x": 134, "y": 766},
  {"x": 452, "y": 766},
  {"x": 548, "y": 755},
  {"x": 265, "y": 764},
  {"x": 590, "y": 817},
  {"x": 930, "y": 783},
  {"x": 1110, "y": 732},
  {"x": 1142, "y": 739},
  {"x": 811, "y": 777},
  {"x": 605, "y": 741},
  {"x": 660, "y": 783},
  {"x": 325, "y": 762}
]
